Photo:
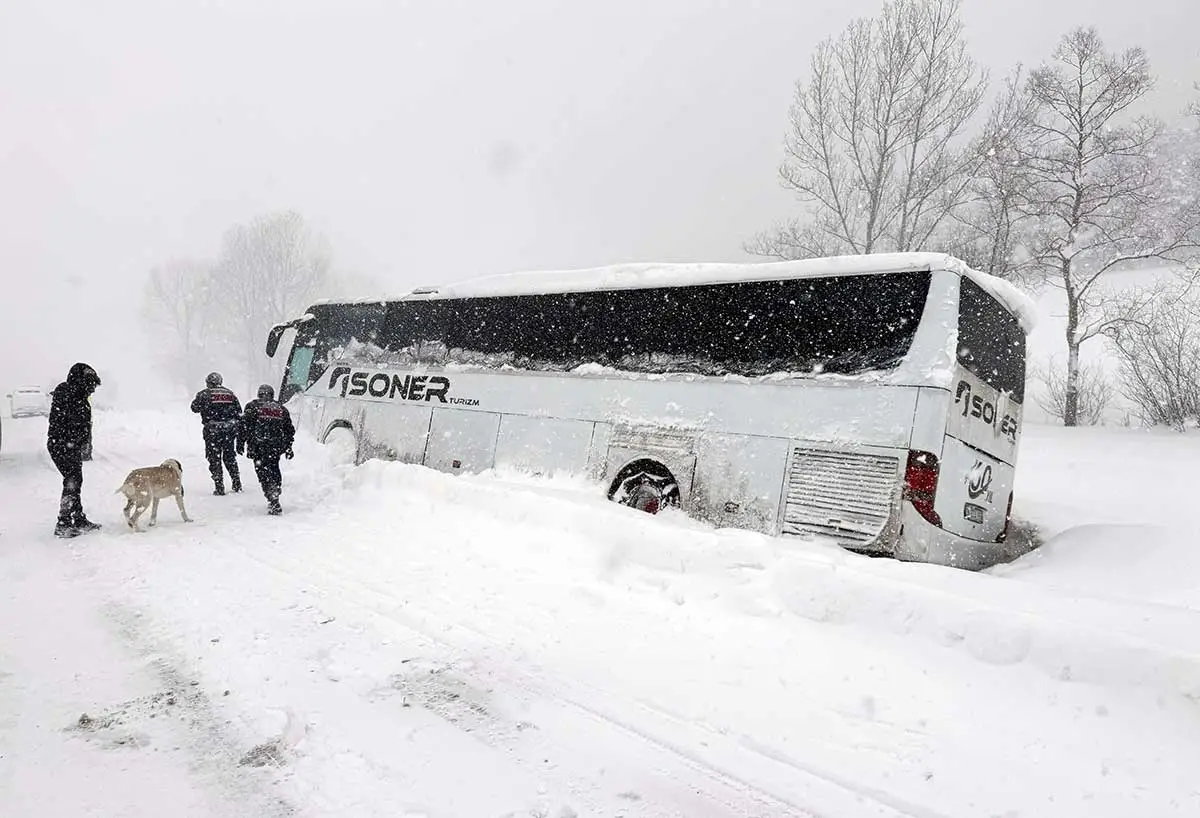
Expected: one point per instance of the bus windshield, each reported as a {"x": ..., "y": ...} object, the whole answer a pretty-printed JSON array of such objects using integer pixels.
[{"x": 330, "y": 329}]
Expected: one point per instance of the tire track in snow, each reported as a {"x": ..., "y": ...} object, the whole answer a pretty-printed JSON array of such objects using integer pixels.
[
  {"x": 149, "y": 742},
  {"x": 215, "y": 751},
  {"x": 736, "y": 794}
]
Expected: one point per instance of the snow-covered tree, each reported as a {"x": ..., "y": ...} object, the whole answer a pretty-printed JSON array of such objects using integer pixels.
[
  {"x": 206, "y": 316},
  {"x": 991, "y": 227},
  {"x": 269, "y": 269},
  {"x": 1101, "y": 202},
  {"x": 178, "y": 317},
  {"x": 877, "y": 149}
]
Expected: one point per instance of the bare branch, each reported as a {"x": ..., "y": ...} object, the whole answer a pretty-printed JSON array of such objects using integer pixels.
[
  {"x": 1159, "y": 355},
  {"x": 1095, "y": 392}
]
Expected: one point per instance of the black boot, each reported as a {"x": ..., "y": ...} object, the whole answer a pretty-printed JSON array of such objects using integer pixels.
[
  {"x": 85, "y": 524},
  {"x": 219, "y": 490},
  {"x": 237, "y": 484},
  {"x": 66, "y": 531},
  {"x": 273, "y": 507}
]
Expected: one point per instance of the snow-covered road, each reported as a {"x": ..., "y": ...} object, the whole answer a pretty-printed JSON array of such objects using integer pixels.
[{"x": 406, "y": 643}]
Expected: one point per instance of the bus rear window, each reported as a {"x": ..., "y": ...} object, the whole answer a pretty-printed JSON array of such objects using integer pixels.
[{"x": 991, "y": 343}]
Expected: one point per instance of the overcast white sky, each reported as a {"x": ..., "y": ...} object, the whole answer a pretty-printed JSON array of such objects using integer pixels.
[{"x": 428, "y": 140}]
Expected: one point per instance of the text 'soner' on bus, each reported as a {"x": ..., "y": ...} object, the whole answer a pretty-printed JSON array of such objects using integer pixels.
[{"x": 875, "y": 401}]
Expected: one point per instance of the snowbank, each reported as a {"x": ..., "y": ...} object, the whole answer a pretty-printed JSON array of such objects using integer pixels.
[
  {"x": 411, "y": 643},
  {"x": 1147, "y": 563}
]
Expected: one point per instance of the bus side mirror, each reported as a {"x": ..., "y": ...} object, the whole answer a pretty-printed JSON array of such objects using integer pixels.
[{"x": 273, "y": 339}]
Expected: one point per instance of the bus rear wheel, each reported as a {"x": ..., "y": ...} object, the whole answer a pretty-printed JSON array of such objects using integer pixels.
[
  {"x": 645, "y": 497},
  {"x": 646, "y": 486}
]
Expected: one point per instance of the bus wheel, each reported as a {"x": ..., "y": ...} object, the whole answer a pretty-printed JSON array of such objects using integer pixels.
[
  {"x": 646, "y": 487},
  {"x": 645, "y": 497}
]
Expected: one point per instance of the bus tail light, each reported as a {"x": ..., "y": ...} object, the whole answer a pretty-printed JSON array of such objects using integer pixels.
[{"x": 920, "y": 484}]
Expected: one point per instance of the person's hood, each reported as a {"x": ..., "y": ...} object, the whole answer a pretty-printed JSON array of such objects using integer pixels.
[{"x": 83, "y": 377}]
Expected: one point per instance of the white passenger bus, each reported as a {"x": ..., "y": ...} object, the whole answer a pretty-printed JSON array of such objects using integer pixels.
[{"x": 873, "y": 400}]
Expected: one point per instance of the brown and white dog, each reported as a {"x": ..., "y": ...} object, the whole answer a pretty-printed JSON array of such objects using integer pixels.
[{"x": 145, "y": 487}]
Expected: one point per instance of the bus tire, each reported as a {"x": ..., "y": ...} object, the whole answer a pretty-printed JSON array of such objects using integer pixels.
[{"x": 645, "y": 485}]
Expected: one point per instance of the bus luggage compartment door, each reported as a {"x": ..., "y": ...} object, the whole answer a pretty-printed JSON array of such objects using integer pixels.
[{"x": 462, "y": 441}]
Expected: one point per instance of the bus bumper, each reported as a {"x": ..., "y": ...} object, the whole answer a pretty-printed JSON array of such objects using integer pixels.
[{"x": 921, "y": 541}]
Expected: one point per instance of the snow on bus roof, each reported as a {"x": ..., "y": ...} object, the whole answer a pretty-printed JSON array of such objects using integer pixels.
[
  {"x": 644, "y": 275},
  {"x": 1017, "y": 302}
]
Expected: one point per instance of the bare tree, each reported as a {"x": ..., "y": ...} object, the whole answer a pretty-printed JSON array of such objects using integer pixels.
[
  {"x": 1099, "y": 199},
  {"x": 176, "y": 310},
  {"x": 876, "y": 148},
  {"x": 1095, "y": 391},
  {"x": 1158, "y": 347},
  {"x": 990, "y": 229},
  {"x": 269, "y": 269}
]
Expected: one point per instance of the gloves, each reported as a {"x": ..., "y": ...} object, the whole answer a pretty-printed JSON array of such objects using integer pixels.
[{"x": 289, "y": 454}]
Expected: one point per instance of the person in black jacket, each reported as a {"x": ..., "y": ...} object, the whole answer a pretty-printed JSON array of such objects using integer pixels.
[
  {"x": 266, "y": 434},
  {"x": 69, "y": 442},
  {"x": 219, "y": 411}
]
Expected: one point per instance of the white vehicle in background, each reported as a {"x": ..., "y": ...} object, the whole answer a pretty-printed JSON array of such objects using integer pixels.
[
  {"x": 873, "y": 400},
  {"x": 28, "y": 402}
]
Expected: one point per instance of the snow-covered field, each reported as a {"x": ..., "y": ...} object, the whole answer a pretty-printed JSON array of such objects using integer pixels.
[{"x": 404, "y": 643}]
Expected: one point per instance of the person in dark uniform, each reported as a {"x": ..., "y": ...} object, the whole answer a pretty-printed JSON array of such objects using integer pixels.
[
  {"x": 69, "y": 442},
  {"x": 220, "y": 412},
  {"x": 266, "y": 434}
]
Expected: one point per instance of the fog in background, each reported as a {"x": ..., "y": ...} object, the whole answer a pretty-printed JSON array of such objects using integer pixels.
[{"x": 428, "y": 141}]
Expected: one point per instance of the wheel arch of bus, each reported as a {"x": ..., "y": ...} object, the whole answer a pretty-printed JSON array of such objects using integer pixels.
[{"x": 333, "y": 426}]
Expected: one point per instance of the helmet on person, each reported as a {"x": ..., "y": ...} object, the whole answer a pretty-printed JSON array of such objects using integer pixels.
[
  {"x": 266, "y": 392},
  {"x": 213, "y": 379}
]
